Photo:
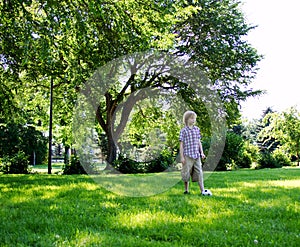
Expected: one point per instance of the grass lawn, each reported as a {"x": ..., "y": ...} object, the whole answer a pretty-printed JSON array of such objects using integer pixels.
[
  {"x": 248, "y": 208},
  {"x": 56, "y": 167}
]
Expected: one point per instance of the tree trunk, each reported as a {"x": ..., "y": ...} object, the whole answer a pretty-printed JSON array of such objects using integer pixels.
[
  {"x": 112, "y": 149},
  {"x": 111, "y": 142},
  {"x": 67, "y": 155},
  {"x": 108, "y": 125}
]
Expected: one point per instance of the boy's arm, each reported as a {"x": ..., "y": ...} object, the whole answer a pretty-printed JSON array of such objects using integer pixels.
[
  {"x": 182, "y": 159},
  {"x": 201, "y": 150}
]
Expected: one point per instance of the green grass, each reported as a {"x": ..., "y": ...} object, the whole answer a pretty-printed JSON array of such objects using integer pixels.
[
  {"x": 56, "y": 167},
  {"x": 248, "y": 208}
]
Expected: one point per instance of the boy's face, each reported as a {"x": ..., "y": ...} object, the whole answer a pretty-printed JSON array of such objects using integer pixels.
[{"x": 192, "y": 120}]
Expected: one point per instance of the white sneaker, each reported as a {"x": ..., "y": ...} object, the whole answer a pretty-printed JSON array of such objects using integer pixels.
[{"x": 206, "y": 193}]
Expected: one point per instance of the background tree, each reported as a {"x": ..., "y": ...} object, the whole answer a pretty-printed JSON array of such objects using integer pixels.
[
  {"x": 214, "y": 38},
  {"x": 290, "y": 134},
  {"x": 267, "y": 143},
  {"x": 285, "y": 129},
  {"x": 17, "y": 138}
]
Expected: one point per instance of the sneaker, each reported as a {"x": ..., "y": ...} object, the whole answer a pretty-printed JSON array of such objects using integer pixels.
[
  {"x": 206, "y": 193},
  {"x": 186, "y": 192}
]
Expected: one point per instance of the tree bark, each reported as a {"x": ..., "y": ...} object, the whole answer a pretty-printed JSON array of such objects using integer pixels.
[{"x": 112, "y": 149}]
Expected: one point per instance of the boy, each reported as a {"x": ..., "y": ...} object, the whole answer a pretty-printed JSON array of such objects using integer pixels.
[{"x": 190, "y": 153}]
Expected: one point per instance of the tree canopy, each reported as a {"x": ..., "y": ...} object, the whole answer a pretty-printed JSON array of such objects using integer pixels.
[{"x": 66, "y": 41}]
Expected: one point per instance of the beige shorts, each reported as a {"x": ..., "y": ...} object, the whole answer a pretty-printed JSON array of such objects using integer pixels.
[{"x": 191, "y": 168}]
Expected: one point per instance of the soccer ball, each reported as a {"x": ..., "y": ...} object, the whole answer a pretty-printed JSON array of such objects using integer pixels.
[{"x": 206, "y": 193}]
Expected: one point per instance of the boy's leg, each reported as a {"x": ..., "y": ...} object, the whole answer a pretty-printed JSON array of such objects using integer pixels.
[
  {"x": 186, "y": 173},
  {"x": 198, "y": 174},
  {"x": 186, "y": 186}
]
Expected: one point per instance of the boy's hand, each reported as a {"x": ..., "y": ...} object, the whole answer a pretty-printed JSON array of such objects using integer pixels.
[
  {"x": 183, "y": 161},
  {"x": 203, "y": 156}
]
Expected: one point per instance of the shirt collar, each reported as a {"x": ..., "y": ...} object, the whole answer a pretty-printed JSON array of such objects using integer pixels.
[{"x": 190, "y": 128}]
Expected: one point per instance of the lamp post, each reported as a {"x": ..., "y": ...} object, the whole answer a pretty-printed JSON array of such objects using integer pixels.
[{"x": 50, "y": 128}]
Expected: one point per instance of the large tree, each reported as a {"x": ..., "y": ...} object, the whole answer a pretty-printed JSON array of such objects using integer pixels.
[
  {"x": 63, "y": 43},
  {"x": 213, "y": 38}
]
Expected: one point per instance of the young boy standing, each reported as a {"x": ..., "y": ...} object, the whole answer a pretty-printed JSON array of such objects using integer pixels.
[{"x": 191, "y": 152}]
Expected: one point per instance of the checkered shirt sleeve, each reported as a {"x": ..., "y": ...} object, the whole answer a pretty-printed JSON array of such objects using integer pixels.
[{"x": 190, "y": 138}]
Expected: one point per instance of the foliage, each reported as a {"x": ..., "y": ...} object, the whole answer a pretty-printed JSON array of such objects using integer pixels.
[
  {"x": 162, "y": 162},
  {"x": 214, "y": 38},
  {"x": 285, "y": 129},
  {"x": 232, "y": 150},
  {"x": 80, "y": 212},
  {"x": 159, "y": 164},
  {"x": 252, "y": 150},
  {"x": 15, "y": 164},
  {"x": 266, "y": 139},
  {"x": 290, "y": 134},
  {"x": 282, "y": 158},
  {"x": 275, "y": 159},
  {"x": 151, "y": 129},
  {"x": 74, "y": 167},
  {"x": 244, "y": 160},
  {"x": 238, "y": 152},
  {"x": 250, "y": 130},
  {"x": 126, "y": 165},
  {"x": 267, "y": 160},
  {"x": 16, "y": 138},
  {"x": 146, "y": 119},
  {"x": 66, "y": 41},
  {"x": 102, "y": 141}
]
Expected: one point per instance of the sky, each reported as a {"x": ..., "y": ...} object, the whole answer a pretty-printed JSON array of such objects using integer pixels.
[{"x": 277, "y": 37}]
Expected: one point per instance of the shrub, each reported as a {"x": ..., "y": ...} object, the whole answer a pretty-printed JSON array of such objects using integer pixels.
[
  {"x": 232, "y": 150},
  {"x": 162, "y": 162},
  {"x": 281, "y": 158},
  {"x": 127, "y": 165},
  {"x": 16, "y": 164},
  {"x": 248, "y": 154},
  {"x": 267, "y": 160},
  {"x": 159, "y": 164},
  {"x": 244, "y": 160},
  {"x": 75, "y": 167}
]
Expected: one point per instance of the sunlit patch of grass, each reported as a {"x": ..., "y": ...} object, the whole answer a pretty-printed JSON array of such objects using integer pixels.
[
  {"x": 295, "y": 183},
  {"x": 56, "y": 167}
]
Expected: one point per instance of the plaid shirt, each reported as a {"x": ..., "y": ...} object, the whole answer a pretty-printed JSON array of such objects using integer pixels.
[{"x": 190, "y": 138}]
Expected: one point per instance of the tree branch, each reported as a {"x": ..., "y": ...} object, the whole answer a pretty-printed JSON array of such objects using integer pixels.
[{"x": 127, "y": 108}]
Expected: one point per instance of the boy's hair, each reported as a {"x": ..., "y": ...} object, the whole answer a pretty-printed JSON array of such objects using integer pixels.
[{"x": 187, "y": 115}]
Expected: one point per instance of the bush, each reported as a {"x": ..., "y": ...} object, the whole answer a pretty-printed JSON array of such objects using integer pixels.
[
  {"x": 16, "y": 164},
  {"x": 276, "y": 159},
  {"x": 244, "y": 160},
  {"x": 247, "y": 155},
  {"x": 233, "y": 147},
  {"x": 267, "y": 160},
  {"x": 128, "y": 166},
  {"x": 281, "y": 158},
  {"x": 75, "y": 167},
  {"x": 159, "y": 164}
]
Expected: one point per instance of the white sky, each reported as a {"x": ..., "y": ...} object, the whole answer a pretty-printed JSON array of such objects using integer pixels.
[{"x": 277, "y": 38}]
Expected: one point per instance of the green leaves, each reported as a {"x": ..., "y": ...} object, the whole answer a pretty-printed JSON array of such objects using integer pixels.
[
  {"x": 284, "y": 128},
  {"x": 215, "y": 39},
  {"x": 67, "y": 41}
]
